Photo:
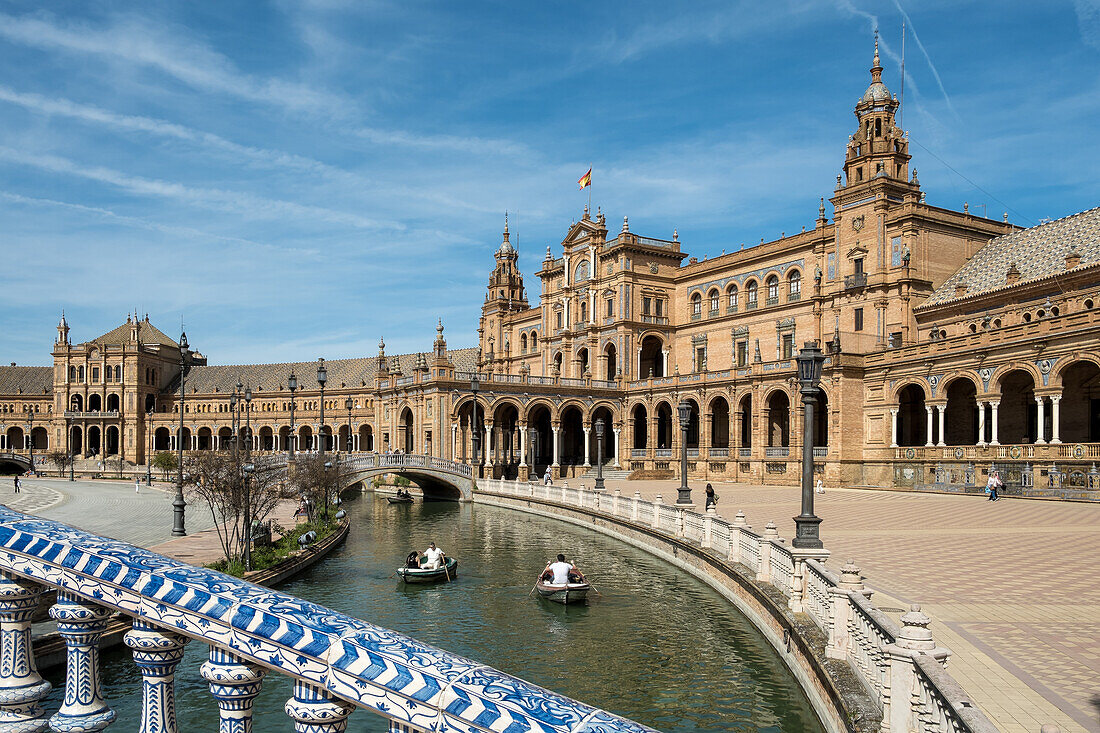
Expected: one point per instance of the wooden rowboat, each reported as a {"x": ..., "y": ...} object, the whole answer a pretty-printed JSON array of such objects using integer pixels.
[
  {"x": 420, "y": 575},
  {"x": 399, "y": 499},
  {"x": 568, "y": 593}
]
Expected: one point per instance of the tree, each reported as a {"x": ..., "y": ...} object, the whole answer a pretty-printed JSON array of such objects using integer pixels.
[
  {"x": 165, "y": 461},
  {"x": 217, "y": 478},
  {"x": 61, "y": 459}
]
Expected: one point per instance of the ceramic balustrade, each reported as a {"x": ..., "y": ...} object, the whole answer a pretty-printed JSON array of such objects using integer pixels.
[{"x": 338, "y": 663}]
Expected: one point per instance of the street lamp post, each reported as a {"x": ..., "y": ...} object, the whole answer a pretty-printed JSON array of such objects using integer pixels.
[
  {"x": 322, "y": 377},
  {"x": 328, "y": 466},
  {"x": 292, "y": 384},
  {"x": 149, "y": 453},
  {"x": 248, "y": 422},
  {"x": 684, "y": 493},
  {"x": 178, "y": 504},
  {"x": 72, "y": 453},
  {"x": 807, "y": 526},
  {"x": 30, "y": 436},
  {"x": 475, "y": 438},
  {"x": 533, "y": 435},
  {"x": 349, "y": 404},
  {"x": 599, "y": 454},
  {"x": 248, "y": 468}
]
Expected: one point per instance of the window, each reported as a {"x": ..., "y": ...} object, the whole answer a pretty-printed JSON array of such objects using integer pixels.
[
  {"x": 584, "y": 311},
  {"x": 696, "y": 305},
  {"x": 95, "y": 374},
  {"x": 895, "y": 340},
  {"x": 772, "y": 284},
  {"x": 859, "y": 174},
  {"x": 714, "y": 301},
  {"x": 610, "y": 307},
  {"x": 660, "y": 307},
  {"x": 750, "y": 294},
  {"x": 523, "y": 343},
  {"x": 742, "y": 353},
  {"x": 731, "y": 295},
  {"x": 859, "y": 319},
  {"x": 558, "y": 319},
  {"x": 895, "y": 252},
  {"x": 701, "y": 359},
  {"x": 786, "y": 346},
  {"x": 794, "y": 285},
  {"x": 859, "y": 266},
  {"x": 878, "y": 128},
  {"x": 534, "y": 341},
  {"x": 647, "y": 304}
]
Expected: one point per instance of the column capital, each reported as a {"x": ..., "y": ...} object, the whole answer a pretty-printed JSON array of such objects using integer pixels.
[{"x": 994, "y": 404}]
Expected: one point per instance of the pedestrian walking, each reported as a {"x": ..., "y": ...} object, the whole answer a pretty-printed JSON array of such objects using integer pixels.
[
  {"x": 820, "y": 486},
  {"x": 712, "y": 498},
  {"x": 993, "y": 484},
  {"x": 137, "y": 485},
  {"x": 17, "y": 484}
]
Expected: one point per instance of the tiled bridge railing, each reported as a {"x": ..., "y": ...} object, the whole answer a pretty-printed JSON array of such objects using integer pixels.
[
  {"x": 901, "y": 667},
  {"x": 338, "y": 663}
]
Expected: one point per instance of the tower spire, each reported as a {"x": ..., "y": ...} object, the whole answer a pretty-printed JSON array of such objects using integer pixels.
[{"x": 876, "y": 67}]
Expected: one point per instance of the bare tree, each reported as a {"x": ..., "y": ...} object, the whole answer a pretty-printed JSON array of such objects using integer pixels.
[
  {"x": 60, "y": 458},
  {"x": 218, "y": 479},
  {"x": 309, "y": 477}
]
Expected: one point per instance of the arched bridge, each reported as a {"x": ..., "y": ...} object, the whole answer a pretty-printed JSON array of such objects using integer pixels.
[
  {"x": 23, "y": 462},
  {"x": 438, "y": 477}
]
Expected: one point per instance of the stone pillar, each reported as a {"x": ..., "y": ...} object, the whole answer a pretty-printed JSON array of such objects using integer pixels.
[
  {"x": 771, "y": 533},
  {"x": 1040, "y": 421},
  {"x": 981, "y": 424},
  {"x": 657, "y": 502},
  {"x": 157, "y": 653},
  {"x": 522, "y": 428},
  {"x": 314, "y": 710},
  {"x": 615, "y": 449},
  {"x": 22, "y": 689},
  {"x": 915, "y": 638},
  {"x": 81, "y": 624},
  {"x": 993, "y": 422},
  {"x": 557, "y": 445},
  {"x": 1055, "y": 418},
  {"x": 454, "y": 442},
  {"x": 894, "y": 427},
  {"x": 928, "y": 409},
  {"x": 234, "y": 683},
  {"x": 838, "y": 638},
  {"x": 587, "y": 437},
  {"x": 634, "y": 505},
  {"x": 943, "y": 424}
]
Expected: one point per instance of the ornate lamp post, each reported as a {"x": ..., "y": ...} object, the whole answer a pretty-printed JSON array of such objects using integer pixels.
[
  {"x": 810, "y": 362},
  {"x": 684, "y": 493},
  {"x": 475, "y": 438},
  {"x": 178, "y": 504},
  {"x": 322, "y": 377},
  {"x": 248, "y": 422},
  {"x": 599, "y": 454},
  {"x": 30, "y": 436},
  {"x": 248, "y": 469},
  {"x": 149, "y": 455},
  {"x": 292, "y": 384},
  {"x": 349, "y": 404},
  {"x": 328, "y": 467},
  {"x": 72, "y": 453}
]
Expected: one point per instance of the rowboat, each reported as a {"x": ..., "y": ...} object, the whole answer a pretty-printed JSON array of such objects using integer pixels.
[
  {"x": 399, "y": 499},
  {"x": 420, "y": 575},
  {"x": 567, "y": 593}
]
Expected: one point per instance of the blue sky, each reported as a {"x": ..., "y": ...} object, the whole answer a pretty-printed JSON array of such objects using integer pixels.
[{"x": 296, "y": 179}]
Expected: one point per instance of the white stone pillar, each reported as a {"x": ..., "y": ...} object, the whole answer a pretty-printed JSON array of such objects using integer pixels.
[
  {"x": 615, "y": 451},
  {"x": 486, "y": 455},
  {"x": 587, "y": 437},
  {"x": 664, "y": 362},
  {"x": 943, "y": 423},
  {"x": 993, "y": 405},
  {"x": 557, "y": 445},
  {"x": 981, "y": 424},
  {"x": 1040, "y": 420},
  {"x": 454, "y": 441},
  {"x": 929, "y": 409},
  {"x": 1055, "y": 416},
  {"x": 894, "y": 427},
  {"x": 522, "y": 445}
]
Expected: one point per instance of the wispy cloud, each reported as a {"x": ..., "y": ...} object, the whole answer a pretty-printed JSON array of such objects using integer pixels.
[
  {"x": 1088, "y": 19},
  {"x": 927, "y": 58}
]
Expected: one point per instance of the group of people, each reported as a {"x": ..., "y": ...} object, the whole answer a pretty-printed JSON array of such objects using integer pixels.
[
  {"x": 432, "y": 559},
  {"x": 305, "y": 508},
  {"x": 403, "y": 494}
]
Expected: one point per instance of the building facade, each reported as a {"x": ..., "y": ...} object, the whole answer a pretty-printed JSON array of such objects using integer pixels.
[{"x": 951, "y": 341}]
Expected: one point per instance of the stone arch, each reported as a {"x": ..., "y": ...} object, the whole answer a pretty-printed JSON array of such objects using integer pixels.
[
  {"x": 719, "y": 410},
  {"x": 714, "y": 300},
  {"x": 1079, "y": 421},
  {"x": 95, "y": 403},
  {"x": 113, "y": 402},
  {"x": 1017, "y": 417},
  {"x": 95, "y": 440},
  {"x": 206, "y": 438},
  {"x": 266, "y": 435},
  {"x": 76, "y": 403},
  {"x": 961, "y": 416},
  {"x": 406, "y": 428},
  {"x": 694, "y": 420},
  {"x": 366, "y": 438},
  {"x": 744, "y": 409},
  {"x": 731, "y": 297},
  {"x": 611, "y": 362},
  {"x": 664, "y": 420},
  {"x": 778, "y": 406},
  {"x": 639, "y": 421},
  {"x": 912, "y": 415},
  {"x": 582, "y": 361},
  {"x": 1022, "y": 366},
  {"x": 505, "y": 445},
  {"x": 651, "y": 359},
  {"x": 111, "y": 442},
  {"x": 1057, "y": 376},
  {"x": 606, "y": 412}
]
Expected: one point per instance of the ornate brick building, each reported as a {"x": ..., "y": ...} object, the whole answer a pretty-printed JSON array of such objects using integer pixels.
[{"x": 952, "y": 340}]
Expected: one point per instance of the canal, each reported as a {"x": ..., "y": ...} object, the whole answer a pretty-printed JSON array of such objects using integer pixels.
[{"x": 657, "y": 645}]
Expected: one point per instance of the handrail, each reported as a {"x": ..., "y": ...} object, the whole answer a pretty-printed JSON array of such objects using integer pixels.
[{"x": 336, "y": 661}]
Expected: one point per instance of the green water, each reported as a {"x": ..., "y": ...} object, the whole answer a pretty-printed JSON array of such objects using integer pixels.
[{"x": 657, "y": 646}]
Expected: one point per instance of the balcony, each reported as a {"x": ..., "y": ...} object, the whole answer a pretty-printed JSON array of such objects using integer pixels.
[
  {"x": 713, "y": 313},
  {"x": 856, "y": 281},
  {"x": 696, "y": 316},
  {"x": 93, "y": 415},
  {"x": 719, "y": 453},
  {"x": 731, "y": 309},
  {"x": 659, "y": 320},
  {"x": 751, "y": 305},
  {"x": 773, "y": 300},
  {"x": 794, "y": 297},
  {"x": 777, "y": 452}
]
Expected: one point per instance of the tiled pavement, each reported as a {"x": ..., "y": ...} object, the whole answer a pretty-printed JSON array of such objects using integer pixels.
[{"x": 1011, "y": 586}]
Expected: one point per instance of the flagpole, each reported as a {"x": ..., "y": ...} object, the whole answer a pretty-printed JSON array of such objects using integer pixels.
[{"x": 590, "y": 189}]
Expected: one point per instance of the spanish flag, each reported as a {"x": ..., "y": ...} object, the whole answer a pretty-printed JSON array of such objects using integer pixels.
[{"x": 586, "y": 180}]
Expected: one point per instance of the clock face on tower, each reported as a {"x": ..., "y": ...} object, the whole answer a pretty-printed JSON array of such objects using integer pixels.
[{"x": 857, "y": 222}]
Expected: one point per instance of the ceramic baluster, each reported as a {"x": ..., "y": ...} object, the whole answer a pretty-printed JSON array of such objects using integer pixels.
[
  {"x": 315, "y": 711},
  {"x": 80, "y": 624},
  {"x": 157, "y": 652},
  {"x": 234, "y": 683},
  {"x": 21, "y": 687}
]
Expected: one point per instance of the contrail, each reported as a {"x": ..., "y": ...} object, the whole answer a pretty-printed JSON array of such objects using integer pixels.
[
  {"x": 927, "y": 58},
  {"x": 883, "y": 45}
]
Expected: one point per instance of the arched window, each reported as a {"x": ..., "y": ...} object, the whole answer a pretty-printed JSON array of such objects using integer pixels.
[
  {"x": 772, "y": 283},
  {"x": 581, "y": 273},
  {"x": 750, "y": 294},
  {"x": 794, "y": 285},
  {"x": 713, "y": 297},
  {"x": 697, "y": 305},
  {"x": 523, "y": 343},
  {"x": 731, "y": 298},
  {"x": 534, "y": 341},
  {"x": 584, "y": 311}
]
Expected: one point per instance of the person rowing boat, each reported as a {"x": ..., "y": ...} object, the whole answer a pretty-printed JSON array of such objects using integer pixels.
[{"x": 562, "y": 582}]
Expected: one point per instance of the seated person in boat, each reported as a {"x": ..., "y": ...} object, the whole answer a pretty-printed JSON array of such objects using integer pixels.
[
  {"x": 561, "y": 572},
  {"x": 413, "y": 560},
  {"x": 433, "y": 557}
]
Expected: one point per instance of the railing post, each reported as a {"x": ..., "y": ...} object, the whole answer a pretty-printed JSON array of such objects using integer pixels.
[
  {"x": 708, "y": 528},
  {"x": 657, "y": 502},
  {"x": 739, "y": 524},
  {"x": 81, "y": 624},
  {"x": 314, "y": 710},
  {"x": 21, "y": 687},
  {"x": 234, "y": 683},
  {"x": 915, "y": 638},
  {"x": 634, "y": 505},
  {"x": 764, "y": 574},
  {"x": 839, "y": 639},
  {"x": 157, "y": 653}
]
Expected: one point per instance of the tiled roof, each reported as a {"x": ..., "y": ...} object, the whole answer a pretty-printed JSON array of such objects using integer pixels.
[
  {"x": 1037, "y": 253},
  {"x": 267, "y": 378},
  {"x": 31, "y": 379},
  {"x": 150, "y": 334}
]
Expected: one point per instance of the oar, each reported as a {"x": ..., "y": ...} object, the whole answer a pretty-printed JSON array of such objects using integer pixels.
[
  {"x": 446, "y": 572},
  {"x": 590, "y": 585}
]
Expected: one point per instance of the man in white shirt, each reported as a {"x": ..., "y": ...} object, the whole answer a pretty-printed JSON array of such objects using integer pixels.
[
  {"x": 561, "y": 570},
  {"x": 433, "y": 557}
]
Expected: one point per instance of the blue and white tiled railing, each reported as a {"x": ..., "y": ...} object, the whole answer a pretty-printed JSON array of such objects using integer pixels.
[{"x": 338, "y": 663}]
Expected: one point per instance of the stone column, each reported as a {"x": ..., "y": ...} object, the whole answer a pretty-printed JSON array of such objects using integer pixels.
[
  {"x": 81, "y": 624},
  {"x": 522, "y": 428},
  {"x": 993, "y": 405},
  {"x": 981, "y": 424},
  {"x": 943, "y": 424},
  {"x": 557, "y": 444},
  {"x": 22, "y": 689},
  {"x": 838, "y": 638},
  {"x": 894, "y": 427},
  {"x": 928, "y": 409},
  {"x": 1040, "y": 422},
  {"x": 1055, "y": 418},
  {"x": 157, "y": 652},
  {"x": 915, "y": 638},
  {"x": 615, "y": 451},
  {"x": 314, "y": 710},
  {"x": 486, "y": 455},
  {"x": 587, "y": 437},
  {"x": 454, "y": 441},
  {"x": 234, "y": 683}
]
